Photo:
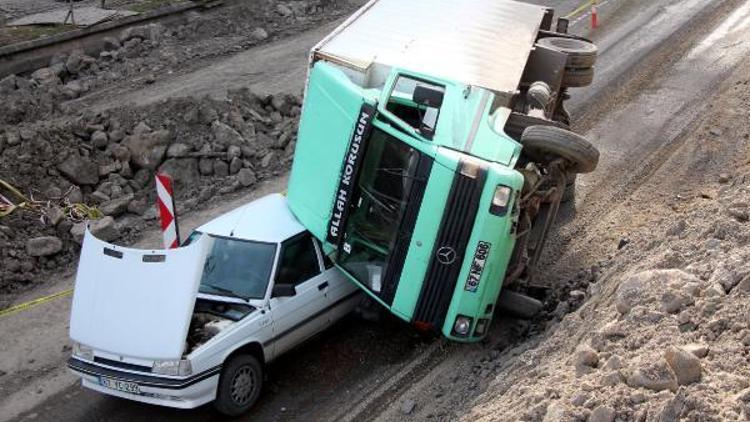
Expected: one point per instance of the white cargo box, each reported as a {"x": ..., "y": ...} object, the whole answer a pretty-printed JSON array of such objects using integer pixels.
[{"x": 484, "y": 43}]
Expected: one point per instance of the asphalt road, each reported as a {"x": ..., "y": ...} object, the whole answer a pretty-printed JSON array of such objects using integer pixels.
[{"x": 656, "y": 64}]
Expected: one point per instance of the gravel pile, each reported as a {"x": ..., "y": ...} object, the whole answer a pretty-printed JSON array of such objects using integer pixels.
[{"x": 108, "y": 160}]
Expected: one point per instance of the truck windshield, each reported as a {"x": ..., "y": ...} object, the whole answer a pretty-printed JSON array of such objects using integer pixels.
[
  {"x": 380, "y": 199},
  {"x": 238, "y": 268}
]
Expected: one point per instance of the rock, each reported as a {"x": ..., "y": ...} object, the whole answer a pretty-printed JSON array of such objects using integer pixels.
[
  {"x": 246, "y": 177},
  {"x": 55, "y": 215},
  {"x": 147, "y": 150},
  {"x": 111, "y": 43},
  {"x": 221, "y": 168},
  {"x": 233, "y": 151},
  {"x": 79, "y": 170},
  {"x": 744, "y": 285},
  {"x": 225, "y": 135},
  {"x": 141, "y": 31},
  {"x": 259, "y": 34},
  {"x": 99, "y": 139},
  {"x": 77, "y": 232},
  {"x": 120, "y": 153},
  {"x": 137, "y": 206},
  {"x": 72, "y": 89},
  {"x": 45, "y": 76},
  {"x": 699, "y": 350},
  {"x": 183, "y": 170},
  {"x": 586, "y": 356},
  {"x": 283, "y": 10},
  {"x": 43, "y": 246},
  {"x": 407, "y": 406},
  {"x": 602, "y": 414},
  {"x": 268, "y": 159},
  {"x": 178, "y": 150},
  {"x": 739, "y": 214},
  {"x": 8, "y": 84},
  {"x": 75, "y": 63},
  {"x": 235, "y": 165},
  {"x": 554, "y": 412},
  {"x": 685, "y": 365},
  {"x": 724, "y": 178},
  {"x": 207, "y": 114},
  {"x": 116, "y": 207},
  {"x": 107, "y": 169},
  {"x": 206, "y": 166},
  {"x": 104, "y": 229},
  {"x": 715, "y": 131},
  {"x": 672, "y": 303},
  {"x": 75, "y": 195},
  {"x": 613, "y": 363},
  {"x": 656, "y": 376}
]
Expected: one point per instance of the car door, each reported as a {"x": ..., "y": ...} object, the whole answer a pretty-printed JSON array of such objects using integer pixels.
[
  {"x": 296, "y": 318},
  {"x": 342, "y": 294}
]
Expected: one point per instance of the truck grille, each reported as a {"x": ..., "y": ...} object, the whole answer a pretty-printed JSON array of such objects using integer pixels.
[
  {"x": 455, "y": 230},
  {"x": 397, "y": 257}
]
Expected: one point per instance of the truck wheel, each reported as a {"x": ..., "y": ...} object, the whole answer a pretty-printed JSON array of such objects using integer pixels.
[
  {"x": 578, "y": 78},
  {"x": 518, "y": 305},
  {"x": 546, "y": 143},
  {"x": 581, "y": 54},
  {"x": 239, "y": 385}
]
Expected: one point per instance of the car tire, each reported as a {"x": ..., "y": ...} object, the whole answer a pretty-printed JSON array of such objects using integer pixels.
[
  {"x": 240, "y": 383},
  {"x": 578, "y": 78},
  {"x": 581, "y": 54},
  {"x": 543, "y": 144},
  {"x": 518, "y": 305}
]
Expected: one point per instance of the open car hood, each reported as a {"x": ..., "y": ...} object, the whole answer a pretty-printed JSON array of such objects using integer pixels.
[{"x": 136, "y": 303}]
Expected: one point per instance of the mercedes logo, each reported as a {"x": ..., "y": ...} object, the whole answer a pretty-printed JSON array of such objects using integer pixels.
[{"x": 446, "y": 255}]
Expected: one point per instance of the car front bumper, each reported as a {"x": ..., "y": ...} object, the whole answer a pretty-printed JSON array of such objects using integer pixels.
[{"x": 182, "y": 393}]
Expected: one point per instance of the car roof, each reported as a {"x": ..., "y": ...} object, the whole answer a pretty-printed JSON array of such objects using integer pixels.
[{"x": 267, "y": 219}]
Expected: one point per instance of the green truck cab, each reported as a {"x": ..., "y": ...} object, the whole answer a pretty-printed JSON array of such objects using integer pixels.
[{"x": 413, "y": 183}]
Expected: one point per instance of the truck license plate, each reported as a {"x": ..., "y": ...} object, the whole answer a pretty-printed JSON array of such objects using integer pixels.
[
  {"x": 124, "y": 386},
  {"x": 477, "y": 266}
]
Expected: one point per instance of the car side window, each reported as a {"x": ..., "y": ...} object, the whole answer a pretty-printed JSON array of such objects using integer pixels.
[{"x": 299, "y": 261}]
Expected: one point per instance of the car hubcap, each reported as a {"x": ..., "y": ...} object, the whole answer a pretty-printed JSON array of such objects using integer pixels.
[{"x": 243, "y": 384}]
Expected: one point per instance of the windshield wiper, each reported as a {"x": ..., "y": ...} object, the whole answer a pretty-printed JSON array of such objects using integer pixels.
[{"x": 226, "y": 291}]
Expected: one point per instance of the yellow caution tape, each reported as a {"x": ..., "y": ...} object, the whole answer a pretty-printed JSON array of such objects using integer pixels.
[
  {"x": 580, "y": 9},
  {"x": 24, "y": 306}
]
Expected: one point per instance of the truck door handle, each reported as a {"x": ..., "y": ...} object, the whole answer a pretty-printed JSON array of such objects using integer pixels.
[{"x": 322, "y": 286}]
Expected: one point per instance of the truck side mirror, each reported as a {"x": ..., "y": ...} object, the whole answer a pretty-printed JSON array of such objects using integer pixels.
[
  {"x": 283, "y": 290},
  {"x": 426, "y": 96}
]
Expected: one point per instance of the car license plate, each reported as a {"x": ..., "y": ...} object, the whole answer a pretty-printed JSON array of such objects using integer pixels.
[
  {"x": 124, "y": 386},
  {"x": 477, "y": 266}
]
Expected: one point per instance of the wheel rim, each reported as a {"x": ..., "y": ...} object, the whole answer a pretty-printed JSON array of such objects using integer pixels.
[{"x": 243, "y": 385}]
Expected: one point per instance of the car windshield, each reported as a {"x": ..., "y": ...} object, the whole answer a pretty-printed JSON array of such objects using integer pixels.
[
  {"x": 381, "y": 198},
  {"x": 238, "y": 268}
]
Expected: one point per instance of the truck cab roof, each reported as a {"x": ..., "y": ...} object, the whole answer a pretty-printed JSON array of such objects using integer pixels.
[{"x": 267, "y": 219}]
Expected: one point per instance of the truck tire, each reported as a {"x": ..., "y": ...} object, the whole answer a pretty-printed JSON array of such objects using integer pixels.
[
  {"x": 240, "y": 383},
  {"x": 577, "y": 78},
  {"x": 581, "y": 54},
  {"x": 518, "y": 305},
  {"x": 546, "y": 143}
]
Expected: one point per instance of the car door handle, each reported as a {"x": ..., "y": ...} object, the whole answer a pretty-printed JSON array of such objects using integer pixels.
[{"x": 322, "y": 286}]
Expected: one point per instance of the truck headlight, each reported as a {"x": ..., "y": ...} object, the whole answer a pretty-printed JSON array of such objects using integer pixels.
[
  {"x": 83, "y": 352},
  {"x": 462, "y": 326},
  {"x": 500, "y": 200},
  {"x": 173, "y": 368}
]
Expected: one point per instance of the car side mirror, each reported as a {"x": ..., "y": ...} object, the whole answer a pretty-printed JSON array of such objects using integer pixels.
[{"x": 283, "y": 290}]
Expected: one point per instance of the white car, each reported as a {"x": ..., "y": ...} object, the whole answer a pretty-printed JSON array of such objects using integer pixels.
[{"x": 196, "y": 324}]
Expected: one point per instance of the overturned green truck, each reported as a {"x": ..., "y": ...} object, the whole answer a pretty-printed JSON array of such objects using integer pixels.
[{"x": 434, "y": 151}]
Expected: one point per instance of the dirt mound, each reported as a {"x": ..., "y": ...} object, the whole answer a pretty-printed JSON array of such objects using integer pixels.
[{"x": 107, "y": 160}]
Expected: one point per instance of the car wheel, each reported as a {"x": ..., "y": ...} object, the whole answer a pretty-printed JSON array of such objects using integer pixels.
[
  {"x": 578, "y": 78},
  {"x": 544, "y": 144},
  {"x": 239, "y": 385},
  {"x": 581, "y": 54}
]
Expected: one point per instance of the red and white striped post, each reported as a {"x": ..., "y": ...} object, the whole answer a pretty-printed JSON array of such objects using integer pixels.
[
  {"x": 165, "y": 203},
  {"x": 594, "y": 16}
]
